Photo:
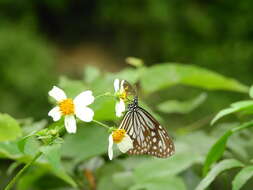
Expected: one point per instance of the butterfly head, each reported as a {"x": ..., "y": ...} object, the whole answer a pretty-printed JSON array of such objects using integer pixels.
[
  {"x": 134, "y": 104},
  {"x": 135, "y": 101},
  {"x": 124, "y": 91}
]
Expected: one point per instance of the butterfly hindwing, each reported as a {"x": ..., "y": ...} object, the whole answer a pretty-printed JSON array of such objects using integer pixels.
[{"x": 148, "y": 136}]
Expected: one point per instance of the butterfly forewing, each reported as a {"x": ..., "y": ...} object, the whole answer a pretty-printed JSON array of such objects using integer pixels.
[
  {"x": 148, "y": 136},
  {"x": 128, "y": 88}
]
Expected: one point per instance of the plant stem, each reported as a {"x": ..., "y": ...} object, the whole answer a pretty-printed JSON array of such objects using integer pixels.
[
  {"x": 15, "y": 178},
  {"x": 102, "y": 124},
  {"x": 105, "y": 94}
]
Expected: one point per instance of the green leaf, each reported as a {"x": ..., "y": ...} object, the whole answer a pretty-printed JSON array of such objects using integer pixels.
[
  {"x": 9, "y": 128},
  {"x": 28, "y": 181},
  {"x": 123, "y": 179},
  {"x": 216, "y": 151},
  {"x": 22, "y": 142},
  {"x": 104, "y": 105},
  {"x": 218, "y": 148},
  {"x": 9, "y": 150},
  {"x": 164, "y": 167},
  {"x": 242, "y": 177},
  {"x": 53, "y": 156},
  {"x": 235, "y": 107},
  {"x": 223, "y": 113},
  {"x": 242, "y": 104},
  {"x": 161, "y": 183},
  {"x": 195, "y": 143},
  {"x": 237, "y": 145},
  {"x": 106, "y": 181},
  {"x": 216, "y": 170},
  {"x": 184, "y": 107},
  {"x": 89, "y": 135},
  {"x": 12, "y": 168},
  {"x": 162, "y": 76}
]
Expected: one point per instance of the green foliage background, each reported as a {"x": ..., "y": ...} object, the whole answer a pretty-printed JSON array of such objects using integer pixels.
[{"x": 197, "y": 57}]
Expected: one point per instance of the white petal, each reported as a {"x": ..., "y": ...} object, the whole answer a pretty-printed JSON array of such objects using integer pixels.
[
  {"x": 57, "y": 93},
  {"x": 116, "y": 85},
  {"x": 120, "y": 108},
  {"x": 110, "y": 147},
  {"x": 84, "y": 113},
  {"x": 55, "y": 113},
  {"x": 83, "y": 99},
  {"x": 125, "y": 144},
  {"x": 70, "y": 124}
]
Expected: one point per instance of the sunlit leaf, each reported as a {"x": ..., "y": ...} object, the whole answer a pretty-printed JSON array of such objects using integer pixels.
[
  {"x": 251, "y": 92},
  {"x": 104, "y": 108},
  {"x": 235, "y": 107},
  {"x": 134, "y": 61},
  {"x": 162, "y": 76},
  {"x": 9, "y": 128},
  {"x": 242, "y": 104},
  {"x": 183, "y": 107},
  {"x": 216, "y": 170},
  {"x": 242, "y": 177}
]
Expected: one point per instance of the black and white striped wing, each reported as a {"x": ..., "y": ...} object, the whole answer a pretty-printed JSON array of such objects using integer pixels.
[{"x": 148, "y": 136}]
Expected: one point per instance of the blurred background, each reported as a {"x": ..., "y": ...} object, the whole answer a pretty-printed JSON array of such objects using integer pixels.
[{"x": 41, "y": 41}]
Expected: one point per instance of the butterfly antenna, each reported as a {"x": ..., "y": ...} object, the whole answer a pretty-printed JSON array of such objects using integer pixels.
[{"x": 136, "y": 87}]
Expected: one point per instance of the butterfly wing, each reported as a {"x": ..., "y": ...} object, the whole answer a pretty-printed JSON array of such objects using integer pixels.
[{"x": 148, "y": 136}]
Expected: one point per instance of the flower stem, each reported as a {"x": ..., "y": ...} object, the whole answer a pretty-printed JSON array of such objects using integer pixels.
[
  {"x": 102, "y": 124},
  {"x": 15, "y": 178},
  {"x": 105, "y": 94}
]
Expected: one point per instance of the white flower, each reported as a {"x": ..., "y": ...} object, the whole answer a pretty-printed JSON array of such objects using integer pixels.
[
  {"x": 123, "y": 141},
  {"x": 121, "y": 94},
  {"x": 70, "y": 108}
]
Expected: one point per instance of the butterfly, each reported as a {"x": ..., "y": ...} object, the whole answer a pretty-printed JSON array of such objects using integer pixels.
[{"x": 148, "y": 136}]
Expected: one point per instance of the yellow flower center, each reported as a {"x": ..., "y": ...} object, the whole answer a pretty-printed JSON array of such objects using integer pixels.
[
  {"x": 67, "y": 107},
  {"x": 118, "y": 135},
  {"x": 123, "y": 96}
]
